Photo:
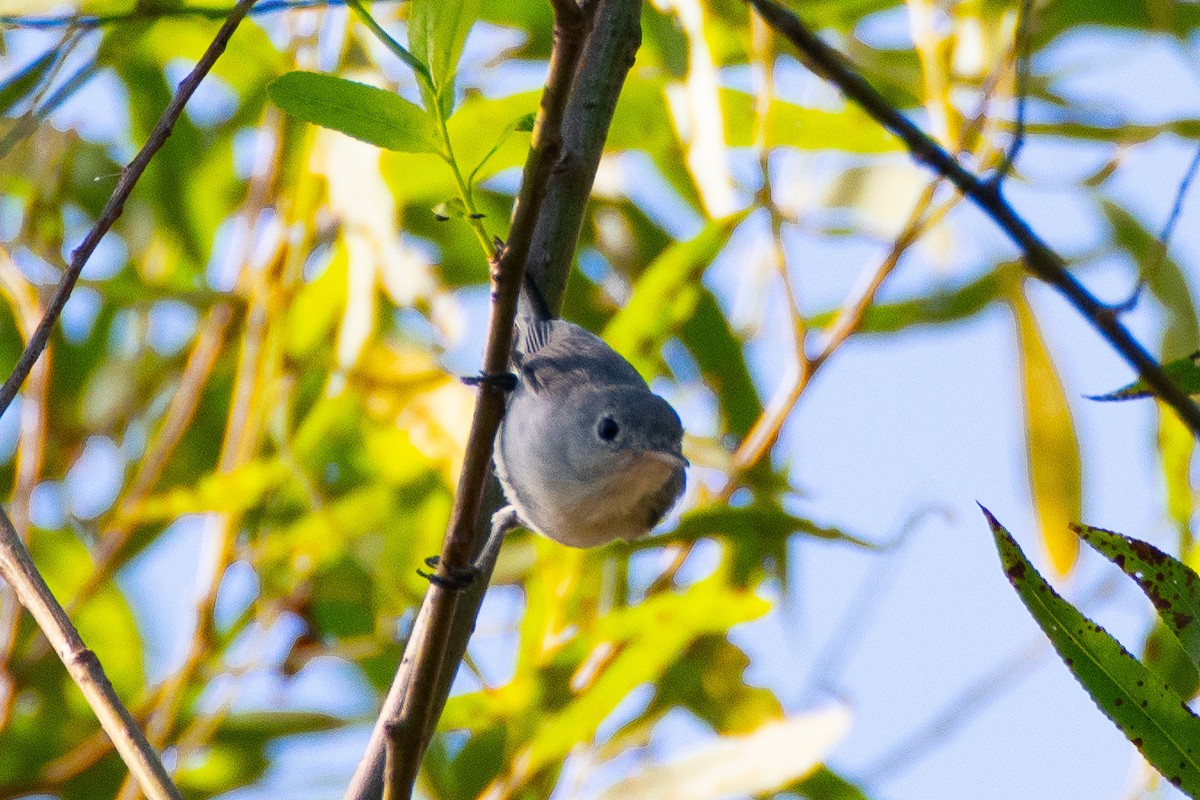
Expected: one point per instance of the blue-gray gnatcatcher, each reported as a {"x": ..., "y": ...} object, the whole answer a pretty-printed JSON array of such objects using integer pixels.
[{"x": 586, "y": 453}]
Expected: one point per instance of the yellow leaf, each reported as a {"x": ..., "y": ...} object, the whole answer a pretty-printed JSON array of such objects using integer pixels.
[{"x": 1055, "y": 469}]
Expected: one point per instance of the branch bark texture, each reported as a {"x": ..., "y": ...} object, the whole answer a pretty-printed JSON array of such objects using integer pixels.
[{"x": 986, "y": 194}]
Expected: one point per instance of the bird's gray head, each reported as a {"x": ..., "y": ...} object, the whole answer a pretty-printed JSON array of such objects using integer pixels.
[{"x": 629, "y": 423}]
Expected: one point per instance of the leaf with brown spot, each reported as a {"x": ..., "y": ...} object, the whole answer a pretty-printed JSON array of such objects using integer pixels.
[
  {"x": 1170, "y": 584},
  {"x": 1153, "y": 717}
]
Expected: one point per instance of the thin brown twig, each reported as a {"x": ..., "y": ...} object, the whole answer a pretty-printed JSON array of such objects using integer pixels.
[
  {"x": 116, "y": 203},
  {"x": 1021, "y": 60},
  {"x": 28, "y": 460},
  {"x": 180, "y": 410},
  {"x": 241, "y": 436},
  {"x": 1042, "y": 261}
]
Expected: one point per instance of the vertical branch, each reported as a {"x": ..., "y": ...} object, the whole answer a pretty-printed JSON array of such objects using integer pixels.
[
  {"x": 612, "y": 45},
  {"x": 594, "y": 48}
]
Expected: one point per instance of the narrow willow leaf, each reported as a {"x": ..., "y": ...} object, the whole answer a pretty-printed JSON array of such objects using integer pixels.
[
  {"x": 760, "y": 522},
  {"x": 937, "y": 308},
  {"x": 1162, "y": 275},
  {"x": 1171, "y": 585},
  {"x": 372, "y": 115},
  {"x": 24, "y": 81},
  {"x": 1176, "y": 446},
  {"x": 1055, "y": 466},
  {"x": 1184, "y": 371},
  {"x": 1155, "y": 719},
  {"x": 639, "y": 329},
  {"x": 647, "y": 639},
  {"x": 523, "y": 124},
  {"x": 775, "y": 755},
  {"x": 720, "y": 354}
]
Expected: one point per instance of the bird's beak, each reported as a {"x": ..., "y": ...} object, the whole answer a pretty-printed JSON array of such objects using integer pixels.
[{"x": 670, "y": 459}]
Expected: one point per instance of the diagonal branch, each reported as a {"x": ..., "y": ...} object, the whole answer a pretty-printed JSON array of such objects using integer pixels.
[
  {"x": 31, "y": 590},
  {"x": 1039, "y": 258},
  {"x": 16, "y": 566},
  {"x": 116, "y": 204}
]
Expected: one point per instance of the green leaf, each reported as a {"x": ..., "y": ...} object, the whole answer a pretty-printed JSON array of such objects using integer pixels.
[
  {"x": 1184, "y": 371},
  {"x": 372, "y": 115},
  {"x": 648, "y": 638},
  {"x": 24, "y": 81},
  {"x": 848, "y": 129},
  {"x": 719, "y": 354},
  {"x": 1164, "y": 654},
  {"x": 235, "y": 491},
  {"x": 937, "y": 308},
  {"x": 776, "y": 754},
  {"x": 343, "y": 600},
  {"x": 666, "y": 296},
  {"x": 1055, "y": 466},
  {"x": 1154, "y": 718},
  {"x": 236, "y": 754},
  {"x": 523, "y": 124},
  {"x": 1162, "y": 276},
  {"x": 1171, "y": 585},
  {"x": 437, "y": 30},
  {"x": 824, "y": 784},
  {"x": 757, "y": 522}
]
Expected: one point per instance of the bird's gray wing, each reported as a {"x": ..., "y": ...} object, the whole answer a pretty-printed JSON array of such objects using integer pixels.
[{"x": 554, "y": 356}]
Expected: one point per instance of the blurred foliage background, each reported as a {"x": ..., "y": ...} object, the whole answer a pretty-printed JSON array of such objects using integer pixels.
[{"x": 245, "y": 436}]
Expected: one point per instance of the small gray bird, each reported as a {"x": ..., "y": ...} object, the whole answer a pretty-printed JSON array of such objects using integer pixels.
[{"x": 586, "y": 453}]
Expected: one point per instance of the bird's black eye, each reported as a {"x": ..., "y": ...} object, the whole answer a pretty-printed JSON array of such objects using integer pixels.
[{"x": 607, "y": 429}]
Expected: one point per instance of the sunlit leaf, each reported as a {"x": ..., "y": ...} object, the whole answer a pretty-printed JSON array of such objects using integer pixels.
[
  {"x": 640, "y": 328},
  {"x": 234, "y": 491},
  {"x": 776, "y": 754},
  {"x": 1155, "y": 719},
  {"x": 647, "y": 638},
  {"x": 373, "y": 115},
  {"x": 1055, "y": 466},
  {"x": 437, "y": 30}
]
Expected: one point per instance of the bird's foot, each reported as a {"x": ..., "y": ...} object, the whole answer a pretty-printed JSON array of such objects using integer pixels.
[{"x": 455, "y": 580}]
